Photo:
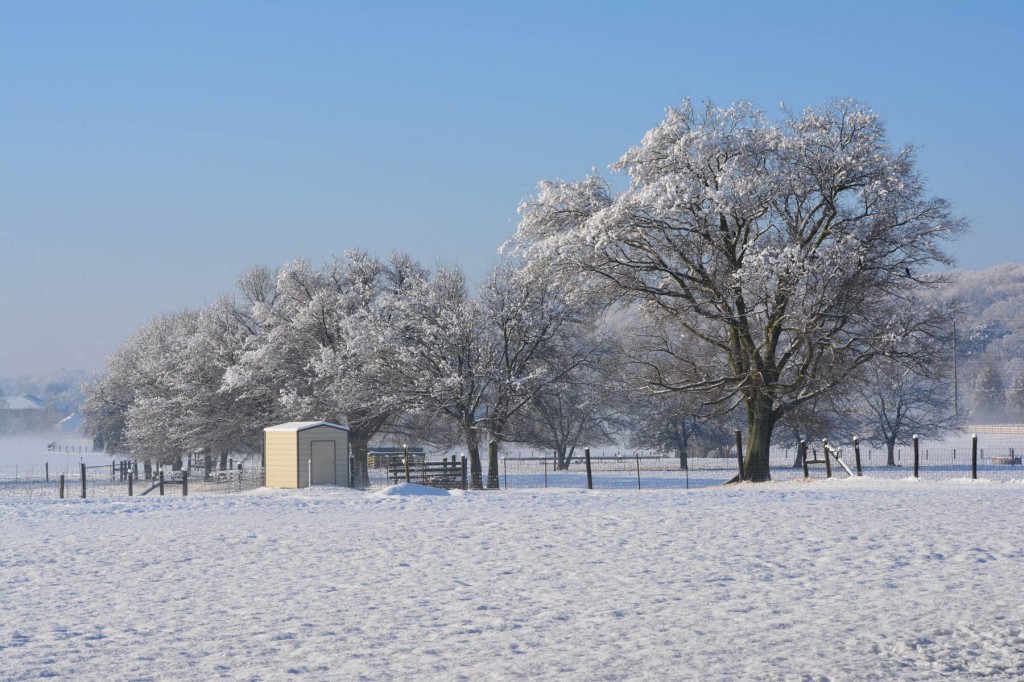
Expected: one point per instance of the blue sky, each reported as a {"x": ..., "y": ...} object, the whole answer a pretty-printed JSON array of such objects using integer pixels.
[{"x": 150, "y": 152}]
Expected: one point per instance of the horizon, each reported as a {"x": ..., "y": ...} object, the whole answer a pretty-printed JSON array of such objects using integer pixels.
[{"x": 156, "y": 152}]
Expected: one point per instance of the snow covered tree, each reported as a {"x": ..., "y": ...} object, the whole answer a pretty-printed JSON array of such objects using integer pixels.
[
  {"x": 105, "y": 408},
  {"x": 899, "y": 402},
  {"x": 660, "y": 419},
  {"x": 145, "y": 370},
  {"x": 436, "y": 349},
  {"x": 477, "y": 362},
  {"x": 162, "y": 399},
  {"x": 781, "y": 248},
  {"x": 989, "y": 394},
  {"x": 578, "y": 403},
  {"x": 1015, "y": 399},
  {"x": 218, "y": 421},
  {"x": 830, "y": 416},
  {"x": 676, "y": 423},
  {"x": 541, "y": 336},
  {"x": 313, "y": 357}
]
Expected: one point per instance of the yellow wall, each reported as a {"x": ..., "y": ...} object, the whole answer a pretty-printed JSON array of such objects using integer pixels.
[{"x": 282, "y": 460}]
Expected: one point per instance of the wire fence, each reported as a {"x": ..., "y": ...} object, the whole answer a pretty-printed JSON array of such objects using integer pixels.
[
  {"x": 996, "y": 458},
  {"x": 119, "y": 479}
]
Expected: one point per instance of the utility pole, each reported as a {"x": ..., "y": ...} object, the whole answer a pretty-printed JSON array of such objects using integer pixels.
[{"x": 956, "y": 388}]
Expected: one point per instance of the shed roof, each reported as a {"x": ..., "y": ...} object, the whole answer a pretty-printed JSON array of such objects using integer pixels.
[{"x": 302, "y": 426}]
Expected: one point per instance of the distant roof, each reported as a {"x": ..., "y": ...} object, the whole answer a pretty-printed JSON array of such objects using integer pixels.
[
  {"x": 21, "y": 402},
  {"x": 301, "y": 426}
]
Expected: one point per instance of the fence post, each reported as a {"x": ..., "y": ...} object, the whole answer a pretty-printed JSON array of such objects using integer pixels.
[
  {"x": 131, "y": 478},
  {"x": 917, "y": 457},
  {"x": 828, "y": 462},
  {"x": 405, "y": 462},
  {"x": 803, "y": 457},
  {"x": 974, "y": 456},
  {"x": 856, "y": 454},
  {"x": 47, "y": 472},
  {"x": 590, "y": 472},
  {"x": 160, "y": 479},
  {"x": 61, "y": 493},
  {"x": 504, "y": 466},
  {"x": 113, "y": 472},
  {"x": 83, "y": 480},
  {"x": 739, "y": 453},
  {"x": 184, "y": 484},
  {"x": 545, "y": 470},
  {"x": 638, "y": 471},
  {"x": 465, "y": 479}
]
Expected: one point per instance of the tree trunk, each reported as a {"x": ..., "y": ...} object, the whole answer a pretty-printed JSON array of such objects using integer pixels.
[
  {"x": 493, "y": 482},
  {"x": 760, "y": 424},
  {"x": 224, "y": 461},
  {"x": 682, "y": 445},
  {"x": 176, "y": 463},
  {"x": 891, "y": 447},
  {"x": 476, "y": 473},
  {"x": 360, "y": 443},
  {"x": 798, "y": 463},
  {"x": 207, "y": 467}
]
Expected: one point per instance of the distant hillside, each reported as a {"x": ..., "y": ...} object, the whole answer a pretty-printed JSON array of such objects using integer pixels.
[
  {"x": 62, "y": 385},
  {"x": 990, "y": 337},
  {"x": 993, "y": 294}
]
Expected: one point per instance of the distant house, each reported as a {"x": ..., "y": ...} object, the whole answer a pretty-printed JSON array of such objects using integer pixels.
[
  {"x": 22, "y": 402},
  {"x": 20, "y": 413}
]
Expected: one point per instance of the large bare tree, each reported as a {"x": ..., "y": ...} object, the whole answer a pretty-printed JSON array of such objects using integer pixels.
[{"x": 784, "y": 249}]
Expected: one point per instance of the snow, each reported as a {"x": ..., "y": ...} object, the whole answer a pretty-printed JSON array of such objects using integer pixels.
[
  {"x": 301, "y": 426},
  {"x": 841, "y": 579},
  {"x": 29, "y": 452},
  {"x": 409, "y": 489}
]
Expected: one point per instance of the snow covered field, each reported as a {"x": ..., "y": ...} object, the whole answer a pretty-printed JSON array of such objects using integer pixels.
[{"x": 839, "y": 580}]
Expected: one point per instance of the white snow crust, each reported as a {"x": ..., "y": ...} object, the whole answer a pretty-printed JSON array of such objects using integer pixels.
[
  {"x": 410, "y": 489},
  {"x": 830, "y": 580}
]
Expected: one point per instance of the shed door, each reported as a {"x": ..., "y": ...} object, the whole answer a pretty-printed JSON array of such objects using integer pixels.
[{"x": 323, "y": 462}]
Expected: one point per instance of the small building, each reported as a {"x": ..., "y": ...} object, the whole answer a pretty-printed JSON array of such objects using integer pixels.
[{"x": 298, "y": 454}]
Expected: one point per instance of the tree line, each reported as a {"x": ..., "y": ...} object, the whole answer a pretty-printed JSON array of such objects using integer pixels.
[{"x": 776, "y": 275}]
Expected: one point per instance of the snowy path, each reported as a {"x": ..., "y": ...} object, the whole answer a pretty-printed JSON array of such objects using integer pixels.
[{"x": 806, "y": 581}]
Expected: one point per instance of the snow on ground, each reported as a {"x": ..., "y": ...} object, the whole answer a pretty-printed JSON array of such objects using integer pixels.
[{"x": 840, "y": 580}]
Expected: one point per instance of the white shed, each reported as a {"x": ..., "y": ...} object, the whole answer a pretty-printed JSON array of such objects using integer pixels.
[{"x": 300, "y": 453}]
